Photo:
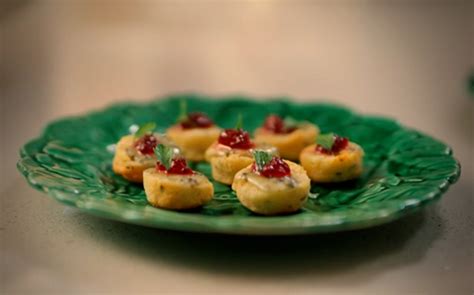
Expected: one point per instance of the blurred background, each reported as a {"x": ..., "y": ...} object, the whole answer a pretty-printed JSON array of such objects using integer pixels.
[
  {"x": 405, "y": 59},
  {"x": 410, "y": 60}
]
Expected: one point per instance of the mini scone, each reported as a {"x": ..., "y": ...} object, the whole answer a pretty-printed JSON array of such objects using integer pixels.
[
  {"x": 332, "y": 159},
  {"x": 193, "y": 134},
  {"x": 231, "y": 153},
  {"x": 288, "y": 136},
  {"x": 134, "y": 153},
  {"x": 272, "y": 186},
  {"x": 172, "y": 185}
]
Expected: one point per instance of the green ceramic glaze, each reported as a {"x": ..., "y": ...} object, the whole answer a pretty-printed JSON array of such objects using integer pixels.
[{"x": 404, "y": 169}]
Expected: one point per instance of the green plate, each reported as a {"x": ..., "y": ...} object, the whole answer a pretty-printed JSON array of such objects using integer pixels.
[{"x": 404, "y": 169}]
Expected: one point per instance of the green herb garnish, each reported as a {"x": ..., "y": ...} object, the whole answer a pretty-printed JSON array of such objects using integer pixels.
[
  {"x": 240, "y": 122},
  {"x": 183, "y": 111},
  {"x": 291, "y": 122},
  {"x": 262, "y": 158},
  {"x": 164, "y": 154},
  {"x": 326, "y": 140},
  {"x": 145, "y": 128}
]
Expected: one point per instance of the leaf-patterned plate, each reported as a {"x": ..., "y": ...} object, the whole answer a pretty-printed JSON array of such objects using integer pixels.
[{"x": 404, "y": 169}]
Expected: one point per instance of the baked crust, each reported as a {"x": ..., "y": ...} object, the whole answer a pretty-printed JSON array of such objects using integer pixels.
[
  {"x": 289, "y": 145},
  {"x": 128, "y": 163},
  {"x": 193, "y": 142},
  {"x": 176, "y": 192},
  {"x": 226, "y": 162},
  {"x": 345, "y": 165},
  {"x": 272, "y": 196}
]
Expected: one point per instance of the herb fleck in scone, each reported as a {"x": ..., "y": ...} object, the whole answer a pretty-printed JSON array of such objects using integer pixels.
[
  {"x": 272, "y": 186},
  {"x": 193, "y": 134},
  {"x": 134, "y": 153},
  {"x": 290, "y": 137},
  {"x": 332, "y": 159},
  {"x": 172, "y": 185}
]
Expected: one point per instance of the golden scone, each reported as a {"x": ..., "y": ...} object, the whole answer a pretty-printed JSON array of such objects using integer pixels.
[
  {"x": 289, "y": 140},
  {"x": 193, "y": 142},
  {"x": 129, "y": 162},
  {"x": 176, "y": 192},
  {"x": 272, "y": 195},
  {"x": 226, "y": 166},
  {"x": 342, "y": 165},
  {"x": 226, "y": 161},
  {"x": 173, "y": 185},
  {"x": 193, "y": 133}
]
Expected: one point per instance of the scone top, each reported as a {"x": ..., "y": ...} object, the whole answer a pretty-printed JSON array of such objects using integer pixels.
[
  {"x": 331, "y": 144},
  {"x": 168, "y": 162},
  {"x": 236, "y": 138},
  {"x": 276, "y": 124},
  {"x": 145, "y": 140},
  {"x": 190, "y": 120},
  {"x": 270, "y": 166}
]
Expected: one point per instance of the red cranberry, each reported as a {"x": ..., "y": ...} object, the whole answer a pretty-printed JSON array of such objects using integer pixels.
[
  {"x": 339, "y": 144},
  {"x": 197, "y": 120},
  {"x": 275, "y": 124},
  {"x": 236, "y": 139},
  {"x": 146, "y": 144},
  {"x": 178, "y": 166},
  {"x": 276, "y": 168}
]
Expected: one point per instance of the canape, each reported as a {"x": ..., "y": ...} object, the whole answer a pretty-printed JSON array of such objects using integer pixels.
[
  {"x": 288, "y": 136},
  {"x": 232, "y": 152},
  {"x": 271, "y": 186},
  {"x": 332, "y": 159},
  {"x": 134, "y": 153},
  {"x": 193, "y": 134},
  {"x": 171, "y": 184}
]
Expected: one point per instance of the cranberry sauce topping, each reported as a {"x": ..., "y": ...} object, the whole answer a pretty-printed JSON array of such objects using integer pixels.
[
  {"x": 276, "y": 168},
  {"x": 339, "y": 144},
  {"x": 178, "y": 166},
  {"x": 275, "y": 124},
  {"x": 146, "y": 144},
  {"x": 236, "y": 139},
  {"x": 196, "y": 120}
]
